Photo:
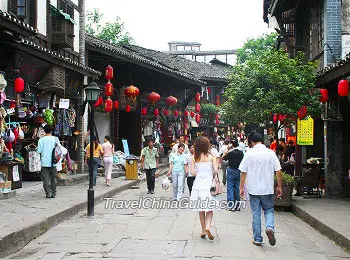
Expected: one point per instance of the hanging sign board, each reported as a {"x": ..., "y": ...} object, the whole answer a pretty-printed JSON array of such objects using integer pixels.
[
  {"x": 126, "y": 147},
  {"x": 64, "y": 103},
  {"x": 305, "y": 131}
]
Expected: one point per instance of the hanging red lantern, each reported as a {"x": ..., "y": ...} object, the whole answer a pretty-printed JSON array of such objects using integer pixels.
[
  {"x": 217, "y": 100},
  {"x": 116, "y": 104},
  {"x": 198, "y": 118},
  {"x": 198, "y": 97},
  {"x": 156, "y": 112},
  {"x": 302, "y": 113},
  {"x": 192, "y": 114},
  {"x": 217, "y": 121},
  {"x": 217, "y": 116},
  {"x": 198, "y": 108},
  {"x": 19, "y": 85},
  {"x": 144, "y": 111},
  {"x": 275, "y": 118},
  {"x": 127, "y": 108},
  {"x": 109, "y": 72},
  {"x": 171, "y": 101},
  {"x": 186, "y": 125},
  {"x": 108, "y": 105},
  {"x": 165, "y": 112},
  {"x": 12, "y": 104},
  {"x": 324, "y": 95},
  {"x": 176, "y": 113},
  {"x": 153, "y": 97},
  {"x": 108, "y": 89},
  {"x": 186, "y": 113},
  {"x": 131, "y": 92},
  {"x": 343, "y": 88}
]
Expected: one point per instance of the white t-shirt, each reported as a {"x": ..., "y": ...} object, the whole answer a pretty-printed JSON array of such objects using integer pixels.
[
  {"x": 190, "y": 161},
  {"x": 260, "y": 164},
  {"x": 223, "y": 150},
  {"x": 214, "y": 152}
]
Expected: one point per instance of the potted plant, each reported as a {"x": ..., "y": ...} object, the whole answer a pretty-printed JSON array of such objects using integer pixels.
[{"x": 288, "y": 183}]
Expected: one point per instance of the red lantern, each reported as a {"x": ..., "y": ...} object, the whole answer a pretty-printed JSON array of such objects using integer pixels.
[
  {"x": 186, "y": 113},
  {"x": 217, "y": 117},
  {"x": 12, "y": 104},
  {"x": 198, "y": 97},
  {"x": 217, "y": 121},
  {"x": 302, "y": 113},
  {"x": 108, "y": 105},
  {"x": 165, "y": 112},
  {"x": 192, "y": 114},
  {"x": 109, "y": 72},
  {"x": 198, "y": 108},
  {"x": 100, "y": 101},
  {"x": 131, "y": 92},
  {"x": 144, "y": 111},
  {"x": 217, "y": 100},
  {"x": 324, "y": 95},
  {"x": 153, "y": 97},
  {"x": 198, "y": 118},
  {"x": 127, "y": 108},
  {"x": 156, "y": 112},
  {"x": 176, "y": 113},
  {"x": 171, "y": 101},
  {"x": 343, "y": 88},
  {"x": 275, "y": 118},
  {"x": 109, "y": 89},
  {"x": 19, "y": 85},
  {"x": 116, "y": 104},
  {"x": 97, "y": 103}
]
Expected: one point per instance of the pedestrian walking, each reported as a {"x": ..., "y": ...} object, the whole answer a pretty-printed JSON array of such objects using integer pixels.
[
  {"x": 234, "y": 157},
  {"x": 178, "y": 162},
  {"x": 205, "y": 167},
  {"x": 97, "y": 153},
  {"x": 149, "y": 162},
  {"x": 108, "y": 150},
  {"x": 224, "y": 149},
  {"x": 46, "y": 145},
  {"x": 174, "y": 150},
  {"x": 258, "y": 166},
  {"x": 190, "y": 161}
]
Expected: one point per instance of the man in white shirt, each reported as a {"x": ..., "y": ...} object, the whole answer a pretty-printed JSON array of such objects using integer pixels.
[
  {"x": 181, "y": 141},
  {"x": 214, "y": 152},
  {"x": 259, "y": 165},
  {"x": 224, "y": 150},
  {"x": 241, "y": 145}
]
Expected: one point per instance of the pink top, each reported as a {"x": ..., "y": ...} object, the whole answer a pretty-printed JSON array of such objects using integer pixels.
[{"x": 107, "y": 149}]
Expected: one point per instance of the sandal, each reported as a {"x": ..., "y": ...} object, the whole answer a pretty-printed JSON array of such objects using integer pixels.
[
  {"x": 210, "y": 236},
  {"x": 203, "y": 235}
]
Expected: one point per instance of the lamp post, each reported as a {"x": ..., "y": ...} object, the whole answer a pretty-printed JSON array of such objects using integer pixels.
[{"x": 92, "y": 91}]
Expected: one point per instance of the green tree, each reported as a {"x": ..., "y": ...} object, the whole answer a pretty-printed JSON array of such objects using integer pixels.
[
  {"x": 270, "y": 83},
  {"x": 112, "y": 32}
]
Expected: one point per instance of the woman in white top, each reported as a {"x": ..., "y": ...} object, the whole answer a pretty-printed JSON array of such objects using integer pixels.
[
  {"x": 205, "y": 167},
  {"x": 190, "y": 161},
  {"x": 108, "y": 149}
]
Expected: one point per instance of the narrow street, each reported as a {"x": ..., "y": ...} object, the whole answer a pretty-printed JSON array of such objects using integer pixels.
[{"x": 174, "y": 233}]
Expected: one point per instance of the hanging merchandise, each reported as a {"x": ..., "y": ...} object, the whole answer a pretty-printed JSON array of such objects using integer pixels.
[
  {"x": 63, "y": 125},
  {"x": 72, "y": 116},
  {"x": 20, "y": 133},
  {"x": 3, "y": 82},
  {"x": 33, "y": 162},
  {"x": 48, "y": 116},
  {"x": 2, "y": 97}
]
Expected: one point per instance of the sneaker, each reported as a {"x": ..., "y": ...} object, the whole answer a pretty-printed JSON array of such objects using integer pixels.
[
  {"x": 53, "y": 196},
  {"x": 48, "y": 196},
  {"x": 256, "y": 243},
  {"x": 152, "y": 192},
  {"x": 271, "y": 235},
  {"x": 148, "y": 192}
]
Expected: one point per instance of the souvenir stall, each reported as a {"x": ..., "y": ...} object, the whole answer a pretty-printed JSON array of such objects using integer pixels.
[{"x": 22, "y": 122}]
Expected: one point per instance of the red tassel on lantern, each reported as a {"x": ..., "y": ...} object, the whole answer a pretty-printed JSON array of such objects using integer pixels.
[
  {"x": 192, "y": 114},
  {"x": 108, "y": 89},
  {"x": 108, "y": 105},
  {"x": 324, "y": 95},
  {"x": 109, "y": 72},
  {"x": 19, "y": 85},
  {"x": 198, "y": 108},
  {"x": 198, "y": 118},
  {"x": 156, "y": 112},
  {"x": 343, "y": 88},
  {"x": 144, "y": 111},
  {"x": 198, "y": 97},
  {"x": 186, "y": 113},
  {"x": 116, "y": 104},
  {"x": 127, "y": 108}
]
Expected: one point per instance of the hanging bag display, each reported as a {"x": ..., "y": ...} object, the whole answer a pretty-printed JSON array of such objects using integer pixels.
[
  {"x": 56, "y": 153},
  {"x": 33, "y": 162}
]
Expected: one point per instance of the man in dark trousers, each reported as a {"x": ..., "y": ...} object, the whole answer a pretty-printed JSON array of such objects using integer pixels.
[
  {"x": 234, "y": 157},
  {"x": 149, "y": 161}
]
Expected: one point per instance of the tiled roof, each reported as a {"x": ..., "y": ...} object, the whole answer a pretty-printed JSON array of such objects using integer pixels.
[
  {"x": 194, "y": 71},
  {"x": 58, "y": 56},
  {"x": 12, "y": 18},
  {"x": 334, "y": 66}
]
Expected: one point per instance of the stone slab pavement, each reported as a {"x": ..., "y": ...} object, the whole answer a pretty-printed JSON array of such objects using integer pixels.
[
  {"x": 30, "y": 214},
  {"x": 330, "y": 217},
  {"x": 173, "y": 233}
]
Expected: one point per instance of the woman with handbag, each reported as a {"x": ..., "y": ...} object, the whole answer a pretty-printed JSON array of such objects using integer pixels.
[
  {"x": 97, "y": 153},
  {"x": 206, "y": 185}
]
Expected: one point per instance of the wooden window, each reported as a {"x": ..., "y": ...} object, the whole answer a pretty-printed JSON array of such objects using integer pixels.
[{"x": 67, "y": 7}]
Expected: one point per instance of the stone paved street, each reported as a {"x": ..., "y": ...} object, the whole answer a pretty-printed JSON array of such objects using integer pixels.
[{"x": 174, "y": 233}]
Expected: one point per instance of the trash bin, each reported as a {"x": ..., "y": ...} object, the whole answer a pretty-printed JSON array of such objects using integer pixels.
[{"x": 131, "y": 167}]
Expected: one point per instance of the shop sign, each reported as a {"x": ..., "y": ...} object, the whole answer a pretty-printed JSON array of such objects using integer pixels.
[
  {"x": 126, "y": 147},
  {"x": 305, "y": 131},
  {"x": 64, "y": 103}
]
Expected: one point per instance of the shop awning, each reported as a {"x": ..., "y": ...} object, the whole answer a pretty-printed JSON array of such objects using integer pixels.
[{"x": 56, "y": 12}]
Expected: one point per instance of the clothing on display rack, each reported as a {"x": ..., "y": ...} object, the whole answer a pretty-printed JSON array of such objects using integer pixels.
[{"x": 63, "y": 125}]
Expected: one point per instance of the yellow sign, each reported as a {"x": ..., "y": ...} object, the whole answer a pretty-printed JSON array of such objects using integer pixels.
[{"x": 305, "y": 131}]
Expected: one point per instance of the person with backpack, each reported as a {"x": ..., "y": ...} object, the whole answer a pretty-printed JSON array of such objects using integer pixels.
[{"x": 49, "y": 157}]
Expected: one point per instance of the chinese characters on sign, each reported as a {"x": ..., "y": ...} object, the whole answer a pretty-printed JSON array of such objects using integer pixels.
[{"x": 305, "y": 132}]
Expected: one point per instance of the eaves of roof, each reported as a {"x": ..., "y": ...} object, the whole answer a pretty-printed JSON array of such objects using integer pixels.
[
  {"x": 334, "y": 71},
  {"x": 135, "y": 57},
  {"x": 13, "y": 19}
]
